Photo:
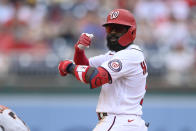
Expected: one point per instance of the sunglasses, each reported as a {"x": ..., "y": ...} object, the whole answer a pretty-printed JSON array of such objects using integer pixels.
[{"x": 116, "y": 28}]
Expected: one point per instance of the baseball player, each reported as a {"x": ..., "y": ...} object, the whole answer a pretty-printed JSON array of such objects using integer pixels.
[
  {"x": 9, "y": 121},
  {"x": 121, "y": 72}
]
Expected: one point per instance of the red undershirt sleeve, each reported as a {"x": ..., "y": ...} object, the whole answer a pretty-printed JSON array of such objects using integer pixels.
[{"x": 80, "y": 57}]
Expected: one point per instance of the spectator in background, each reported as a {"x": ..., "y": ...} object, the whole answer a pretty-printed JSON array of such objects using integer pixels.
[
  {"x": 179, "y": 63},
  {"x": 171, "y": 31},
  {"x": 14, "y": 33},
  {"x": 6, "y": 11}
]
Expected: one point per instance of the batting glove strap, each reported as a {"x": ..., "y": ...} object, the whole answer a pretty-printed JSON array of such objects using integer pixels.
[{"x": 80, "y": 72}]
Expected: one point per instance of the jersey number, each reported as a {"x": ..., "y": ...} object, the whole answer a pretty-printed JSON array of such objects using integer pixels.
[{"x": 144, "y": 68}]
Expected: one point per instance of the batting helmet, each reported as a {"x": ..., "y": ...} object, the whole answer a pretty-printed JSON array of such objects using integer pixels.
[{"x": 123, "y": 17}]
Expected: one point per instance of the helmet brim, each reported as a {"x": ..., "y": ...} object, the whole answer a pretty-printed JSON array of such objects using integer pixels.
[{"x": 124, "y": 24}]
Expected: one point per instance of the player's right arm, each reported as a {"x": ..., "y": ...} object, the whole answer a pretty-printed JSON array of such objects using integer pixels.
[
  {"x": 83, "y": 42},
  {"x": 94, "y": 76}
]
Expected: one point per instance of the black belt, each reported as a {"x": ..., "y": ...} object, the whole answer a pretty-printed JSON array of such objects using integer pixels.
[{"x": 101, "y": 115}]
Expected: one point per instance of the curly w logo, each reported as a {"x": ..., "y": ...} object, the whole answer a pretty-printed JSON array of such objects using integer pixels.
[{"x": 114, "y": 14}]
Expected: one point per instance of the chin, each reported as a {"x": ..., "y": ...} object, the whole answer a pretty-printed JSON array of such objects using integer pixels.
[{"x": 114, "y": 46}]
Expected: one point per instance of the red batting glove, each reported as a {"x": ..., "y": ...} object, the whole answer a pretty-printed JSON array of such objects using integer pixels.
[
  {"x": 84, "y": 41},
  {"x": 63, "y": 66}
]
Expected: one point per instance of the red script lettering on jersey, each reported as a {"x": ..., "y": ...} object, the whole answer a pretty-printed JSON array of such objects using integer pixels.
[{"x": 144, "y": 68}]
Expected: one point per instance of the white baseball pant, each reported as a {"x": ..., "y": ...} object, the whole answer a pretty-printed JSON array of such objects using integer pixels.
[{"x": 121, "y": 123}]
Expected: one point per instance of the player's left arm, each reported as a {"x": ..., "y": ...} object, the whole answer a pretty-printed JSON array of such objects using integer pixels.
[{"x": 94, "y": 76}]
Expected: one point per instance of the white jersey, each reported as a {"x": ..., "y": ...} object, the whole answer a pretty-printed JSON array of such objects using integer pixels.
[{"x": 127, "y": 69}]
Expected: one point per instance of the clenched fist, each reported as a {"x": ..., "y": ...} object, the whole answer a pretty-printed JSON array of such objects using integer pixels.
[
  {"x": 84, "y": 41},
  {"x": 64, "y": 67}
]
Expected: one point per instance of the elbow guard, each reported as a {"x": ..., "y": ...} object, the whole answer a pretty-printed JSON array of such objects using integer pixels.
[
  {"x": 94, "y": 76},
  {"x": 99, "y": 77}
]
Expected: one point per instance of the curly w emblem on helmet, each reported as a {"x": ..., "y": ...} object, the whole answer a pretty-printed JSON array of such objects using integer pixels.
[{"x": 114, "y": 14}]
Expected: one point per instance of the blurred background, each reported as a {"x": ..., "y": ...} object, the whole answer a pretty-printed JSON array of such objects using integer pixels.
[{"x": 36, "y": 34}]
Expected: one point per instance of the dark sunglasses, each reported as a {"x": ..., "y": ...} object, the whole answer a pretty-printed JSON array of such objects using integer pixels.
[{"x": 116, "y": 28}]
